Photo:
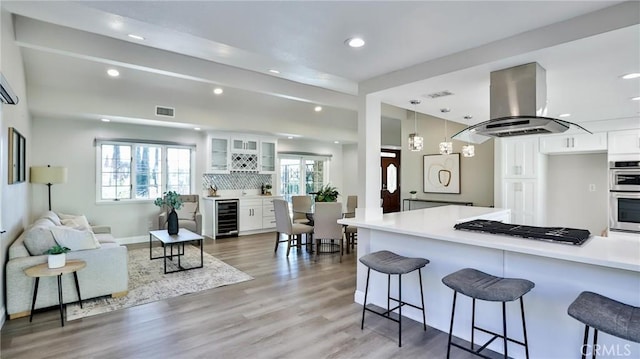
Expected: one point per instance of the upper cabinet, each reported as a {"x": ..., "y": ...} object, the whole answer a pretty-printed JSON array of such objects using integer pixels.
[
  {"x": 520, "y": 157},
  {"x": 578, "y": 143},
  {"x": 624, "y": 142},
  {"x": 268, "y": 156},
  {"x": 244, "y": 145},
  {"x": 237, "y": 152},
  {"x": 218, "y": 155}
]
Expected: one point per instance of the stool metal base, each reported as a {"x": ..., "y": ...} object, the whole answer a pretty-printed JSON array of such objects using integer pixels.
[
  {"x": 504, "y": 336},
  {"x": 387, "y": 314},
  {"x": 586, "y": 340}
]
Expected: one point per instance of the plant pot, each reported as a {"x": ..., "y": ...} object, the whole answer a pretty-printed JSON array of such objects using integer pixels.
[
  {"x": 56, "y": 260},
  {"x": 414, "y": 195},
  {"x": 172, "y": 222}
]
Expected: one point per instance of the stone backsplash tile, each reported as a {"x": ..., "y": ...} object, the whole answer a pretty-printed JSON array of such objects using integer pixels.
[{"x": 235, "y": 180}]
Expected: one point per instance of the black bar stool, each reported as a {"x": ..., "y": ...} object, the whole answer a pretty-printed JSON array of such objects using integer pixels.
[
  {"x": 390, "y": 263},
  {"x": 607, "y": 315},
  {"x": 479, "y": 285}
]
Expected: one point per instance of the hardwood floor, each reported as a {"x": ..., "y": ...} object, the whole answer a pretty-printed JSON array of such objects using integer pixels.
[{"x": 295, "y": 307}]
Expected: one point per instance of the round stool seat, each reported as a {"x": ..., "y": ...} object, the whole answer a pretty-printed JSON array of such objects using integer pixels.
[
  {"x": 391, "y": 263},
  {"x": 476, "y": 284},
  {"x": 608, "y": 315}
]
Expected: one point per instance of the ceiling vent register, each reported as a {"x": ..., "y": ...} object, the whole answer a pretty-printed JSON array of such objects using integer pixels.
[{"x": 165, "y": 111}]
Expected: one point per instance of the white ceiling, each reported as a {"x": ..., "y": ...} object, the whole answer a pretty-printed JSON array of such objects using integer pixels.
[{"x": 192, "y": 47}]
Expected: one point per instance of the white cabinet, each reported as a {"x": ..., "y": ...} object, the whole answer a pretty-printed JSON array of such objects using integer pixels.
[
  {"x": 520, "y": 157},
  {"x": 244, "y": 145},
  {"x": 521, "y": 197},
  {"x": 257, "y": 214},
  {"x": 578, "y": 143},
  {"x": 267, "y": 156},
  {"x": 624, "y": 142},
  {"x": 520, "y": 179},
  {"x": 250, "y": 214},
  {"x": 268, "y": 214},
  {"x": 218, "y": 155}
]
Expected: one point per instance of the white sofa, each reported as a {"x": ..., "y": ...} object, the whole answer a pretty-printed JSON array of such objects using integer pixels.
[{"x": 106, "y": 272}]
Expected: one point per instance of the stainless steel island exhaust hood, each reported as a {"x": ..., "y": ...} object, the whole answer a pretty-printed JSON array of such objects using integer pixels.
[{"x": 518, "y": 106}]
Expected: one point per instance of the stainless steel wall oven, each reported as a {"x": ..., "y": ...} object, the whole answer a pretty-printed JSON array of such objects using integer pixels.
[{"x": 624, "y": 196}]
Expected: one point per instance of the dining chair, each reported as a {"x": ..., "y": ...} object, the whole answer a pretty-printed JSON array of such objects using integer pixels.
[
  {"x": 301, "y": 205},
  {"x": 326, "y": 226},
  {"x": 293, "y": 231},
  {"x": 351, "y": 232}
]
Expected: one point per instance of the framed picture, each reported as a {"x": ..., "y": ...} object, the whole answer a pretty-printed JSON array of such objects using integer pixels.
[
  {"x": 17, "y": 171},
  {"x": 441, "y": 173}
]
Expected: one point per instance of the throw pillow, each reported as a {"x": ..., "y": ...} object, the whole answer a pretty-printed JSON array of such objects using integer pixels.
[
  {"x": 187, "y": 211},
  {"x": 77, "y": 222},
  {"x": 75, "y": 239},
  {"x": 52, "y": 216},
  {"x": 38, "y": 238}
]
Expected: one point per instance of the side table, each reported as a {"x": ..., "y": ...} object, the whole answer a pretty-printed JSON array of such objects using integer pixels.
[{"x": 43, "y": 270}]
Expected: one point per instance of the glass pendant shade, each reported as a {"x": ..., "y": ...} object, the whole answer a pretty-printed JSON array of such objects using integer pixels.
[
  {"x": 468, "y": 150},
  {"x": 415, "y": 142},
  {"x": 446, "y": 148}
]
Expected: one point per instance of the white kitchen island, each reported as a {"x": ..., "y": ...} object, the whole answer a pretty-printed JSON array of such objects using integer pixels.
[{"x": 609, "y": 266}]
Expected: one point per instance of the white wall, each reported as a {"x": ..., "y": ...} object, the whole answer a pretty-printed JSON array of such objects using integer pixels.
[
  {"x": 336, "y": 168},
  {"x": 350, "y": 169},
  {"x": 70, "y": 143},
  {"x": 570, "y": 203},
  {"x": 15, "y": 197},
  {"x": 476, "y": 173}
]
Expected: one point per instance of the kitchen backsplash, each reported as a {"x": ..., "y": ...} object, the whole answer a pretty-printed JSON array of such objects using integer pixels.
[{"x": 235, "y": 180}]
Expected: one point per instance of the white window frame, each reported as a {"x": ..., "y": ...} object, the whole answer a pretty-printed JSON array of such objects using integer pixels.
[
  {"x": 134, "y": 144},
  {"x": 301, "y": 158}
]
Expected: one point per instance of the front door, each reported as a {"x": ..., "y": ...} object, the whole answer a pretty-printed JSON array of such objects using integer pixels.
[{"x": 390, "y": 193}]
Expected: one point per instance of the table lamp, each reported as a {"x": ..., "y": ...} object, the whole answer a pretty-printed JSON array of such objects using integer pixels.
[{"x": 48, "y": 175}]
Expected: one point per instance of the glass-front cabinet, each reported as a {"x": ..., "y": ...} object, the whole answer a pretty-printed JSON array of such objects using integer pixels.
[
  {"x": 244, "y": 145},
  {"x": 267, "y": 156},
  {"x": 219, "y": 155}
]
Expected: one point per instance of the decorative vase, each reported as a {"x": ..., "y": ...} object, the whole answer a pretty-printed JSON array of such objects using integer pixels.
[
  {"x": 414, "y": 195},
  {"x": 56, "y": 260},
  {"x": 172, "y": 222}
]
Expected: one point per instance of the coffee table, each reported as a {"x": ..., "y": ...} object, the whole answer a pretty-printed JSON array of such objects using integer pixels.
[
  {"x": 43, "y": 270},
  {"x": 184, "y": 235}
]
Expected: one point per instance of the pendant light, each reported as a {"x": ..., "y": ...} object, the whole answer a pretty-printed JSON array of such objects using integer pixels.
[
  {"x": 446, "y": 148},
  {"x": 415, "y": 141},
  {"x": 468, "y": 150}
]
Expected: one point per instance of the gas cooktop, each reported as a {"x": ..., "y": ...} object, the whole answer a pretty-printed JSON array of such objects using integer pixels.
[{"x": 552, "y": 234}]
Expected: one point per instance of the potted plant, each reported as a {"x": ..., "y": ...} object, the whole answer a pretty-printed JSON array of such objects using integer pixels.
[
  {"x": 413, "y": 194},
  {"x": 172, "y": 200},
  {"x": 327, "y": 193},
  {"x": 57, "y": 257},
  {"x": 267, "y": 189}
]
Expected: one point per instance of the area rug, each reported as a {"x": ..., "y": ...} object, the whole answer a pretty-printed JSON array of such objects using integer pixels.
[{"x": 148, "y": 283}]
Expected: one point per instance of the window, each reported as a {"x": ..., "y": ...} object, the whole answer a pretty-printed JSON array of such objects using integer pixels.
[
  {"x": 143, "y": 170},
  {"x": 301, "y": 175}
]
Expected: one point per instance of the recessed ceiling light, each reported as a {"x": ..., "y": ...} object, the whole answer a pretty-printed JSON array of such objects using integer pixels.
[
  {"x": 105, "y": 120},
  {"x": 218, "y": 91},
  {"x": 354, "y": 42},
  {"x": 113, "y": 72},
  {"x": 137, "y": 37},
  {"x": 318, "y": 108},
  {"x": 633, "y": 75},
  {"x": 336, "y": 142},
  {"x": 564, "y": 115},
  {"x": 197, "y": 128},
  {"x": 274, "y": 71},
  {"x": 635, "y": 98},
  {"x": 290, "y": 137}
]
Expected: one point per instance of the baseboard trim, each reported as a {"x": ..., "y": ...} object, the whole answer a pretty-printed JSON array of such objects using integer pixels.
[{"x": 131, "y": 240}]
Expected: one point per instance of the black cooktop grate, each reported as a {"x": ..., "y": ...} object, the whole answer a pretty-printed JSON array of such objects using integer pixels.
[{"x": 553, "y": 234}]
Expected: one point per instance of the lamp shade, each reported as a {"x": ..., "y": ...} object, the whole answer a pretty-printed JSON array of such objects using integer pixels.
[{"x": 48, "y": 175}]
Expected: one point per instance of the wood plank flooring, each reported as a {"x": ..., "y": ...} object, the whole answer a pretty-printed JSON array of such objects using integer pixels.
[{"x": 296, "y": 307}]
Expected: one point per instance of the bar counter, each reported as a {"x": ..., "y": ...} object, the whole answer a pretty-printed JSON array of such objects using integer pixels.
[{"x": 608, "y": 266}]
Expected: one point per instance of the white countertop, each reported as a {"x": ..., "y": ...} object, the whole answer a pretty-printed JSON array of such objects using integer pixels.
[
  {"x": 437, "y": 223},
  {"x": 249, "y": 196}
]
